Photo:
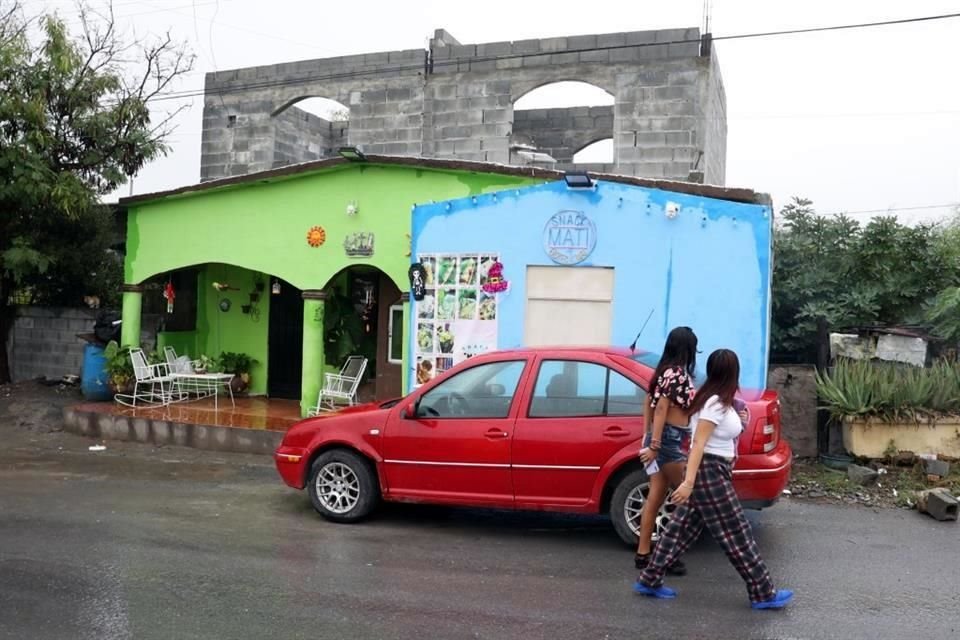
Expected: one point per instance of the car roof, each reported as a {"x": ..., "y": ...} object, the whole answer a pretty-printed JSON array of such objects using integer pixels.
[{"x": 615, "y": 351}]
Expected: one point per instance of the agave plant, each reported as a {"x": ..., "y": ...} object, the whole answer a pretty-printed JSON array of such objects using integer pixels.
[{"x": 863, "y": 390}]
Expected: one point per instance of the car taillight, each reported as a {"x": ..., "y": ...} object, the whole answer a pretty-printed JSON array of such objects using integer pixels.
[{"x": 766, "y": 437}]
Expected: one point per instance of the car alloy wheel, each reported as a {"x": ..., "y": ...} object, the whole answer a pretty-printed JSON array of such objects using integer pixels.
[
  {"x": 633, "y": 507},
  {"x": 338, "y": 487}
]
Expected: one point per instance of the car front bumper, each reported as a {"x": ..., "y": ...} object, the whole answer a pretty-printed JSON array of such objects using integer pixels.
[{"x": 290, "y": 463}]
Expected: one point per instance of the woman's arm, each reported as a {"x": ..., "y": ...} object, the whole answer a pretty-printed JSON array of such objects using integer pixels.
[
  {"x": 682, "y": 493},
  {"x": 658, "y": 420}
]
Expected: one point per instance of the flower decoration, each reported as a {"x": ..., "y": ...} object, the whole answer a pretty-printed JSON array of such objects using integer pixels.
[
  {"x": 316, "y": 236},
  {"x": 495, "y": 283}
]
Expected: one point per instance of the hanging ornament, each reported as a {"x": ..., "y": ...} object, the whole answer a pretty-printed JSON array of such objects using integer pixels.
[
  {"x": 169, "y": 294},
  {"x": 495, "y": 283},
  {"x": 418, "y": 281}
]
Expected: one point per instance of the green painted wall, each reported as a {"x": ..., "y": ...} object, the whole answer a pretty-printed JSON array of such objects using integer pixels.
[
  {"x": 233, "y": 330},
  {"x": 261, "y": 227}
]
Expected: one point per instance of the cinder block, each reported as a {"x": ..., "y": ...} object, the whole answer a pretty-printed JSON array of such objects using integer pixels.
[
  {"x": 601, "y": 57},
  {"x": 526, "y": 46},
  {"x": 611, "y": 39},
  {"x": 494, "y": 49},
  {"x": 939, "y": 504},
  {"x": 553, "y": 44},
  {"x": 467, "y": 145},
  {"x": 497, "y": 116}
]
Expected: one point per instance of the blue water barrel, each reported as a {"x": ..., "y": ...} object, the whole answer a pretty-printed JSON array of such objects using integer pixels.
[{"x": 93, "y": 379}]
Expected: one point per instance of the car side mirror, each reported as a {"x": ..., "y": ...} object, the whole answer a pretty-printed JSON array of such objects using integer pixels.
[
  {"x": 412, "y": 412},
  {"x": 496, "y": 390}
]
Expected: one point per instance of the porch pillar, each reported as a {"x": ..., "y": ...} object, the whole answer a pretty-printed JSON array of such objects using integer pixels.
[
  {"x": 407, "y": 364},
  {"x": 132, "y": 306},
  {"x": 313, "y": 341}
]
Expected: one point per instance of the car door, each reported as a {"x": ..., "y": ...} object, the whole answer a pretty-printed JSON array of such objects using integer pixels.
[
  {"x": 579, "y": 414},
  {"x": 456, "y": 448}
]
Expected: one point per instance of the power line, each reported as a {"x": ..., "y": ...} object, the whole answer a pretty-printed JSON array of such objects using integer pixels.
[
  {"x": 893, "y": 209},
  {"x": 265, "y": 84}
]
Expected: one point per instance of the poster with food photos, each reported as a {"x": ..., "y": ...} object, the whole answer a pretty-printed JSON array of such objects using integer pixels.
[{"x": 456, "y": 319}]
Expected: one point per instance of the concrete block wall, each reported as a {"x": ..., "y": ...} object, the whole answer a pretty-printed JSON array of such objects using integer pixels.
[
  {"x": 44, "y": 342},
  {"x": 562, "y": 132},
  {"x": 456, "y": 101},
  {"x": 300, "y": 137}
]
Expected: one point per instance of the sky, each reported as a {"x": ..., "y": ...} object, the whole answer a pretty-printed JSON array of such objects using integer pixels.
[{"x": 857, "y": 120}]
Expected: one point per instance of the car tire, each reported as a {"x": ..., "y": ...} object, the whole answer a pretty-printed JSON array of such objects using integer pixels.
[
  {"x": 343, "y": 486},
  {"x": 624, "y": 505}
]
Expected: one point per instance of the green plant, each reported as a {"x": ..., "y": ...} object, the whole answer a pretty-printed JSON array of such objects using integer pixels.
[
  {"x": 864, "y": 390},
  {"x": 235, "y": 363},
  {"x": 342, "y": 328},
  {"x": 119, "y": 366},
  {"x": 832, "y": 270}
]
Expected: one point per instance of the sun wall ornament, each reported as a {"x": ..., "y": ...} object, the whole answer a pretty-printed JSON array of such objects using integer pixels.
[{"x": 316, "y": 236}]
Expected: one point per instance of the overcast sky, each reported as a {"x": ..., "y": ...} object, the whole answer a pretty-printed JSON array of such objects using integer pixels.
[{"x": 854, "y": 120}]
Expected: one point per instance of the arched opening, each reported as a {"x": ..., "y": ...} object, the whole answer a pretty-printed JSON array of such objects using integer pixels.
[
  {"x": 562, "y": 118},
  {"x": 309, "y": 128},
  {"x": 363, "y": 315},
  {"x": 599, "y": 152}
]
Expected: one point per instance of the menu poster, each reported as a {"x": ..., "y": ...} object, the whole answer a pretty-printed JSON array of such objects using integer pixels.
[{"x": 456, "y": 319}]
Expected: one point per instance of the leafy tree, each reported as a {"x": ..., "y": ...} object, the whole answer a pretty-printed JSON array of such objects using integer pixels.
[
  {"x": 74, "y": 125},
  {"x": 832, "y": 270}
]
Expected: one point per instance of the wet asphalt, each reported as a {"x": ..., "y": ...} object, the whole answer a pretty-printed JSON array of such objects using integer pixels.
[{"x": 137, "y": 542}]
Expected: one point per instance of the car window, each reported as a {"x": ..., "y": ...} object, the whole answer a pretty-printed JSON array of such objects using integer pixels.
[
  {"x": 483, "y": 391},
  {"x": 566, "y": 388},
  {"x": 570, "y": 389},
  {"x": 624, "y": 396}
]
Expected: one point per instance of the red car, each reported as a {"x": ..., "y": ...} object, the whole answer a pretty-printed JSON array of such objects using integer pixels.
[{"x": 537, "y": 429}]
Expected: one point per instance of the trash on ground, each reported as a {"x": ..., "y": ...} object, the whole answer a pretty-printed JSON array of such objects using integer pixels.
[{"x": 97, "y": 447}]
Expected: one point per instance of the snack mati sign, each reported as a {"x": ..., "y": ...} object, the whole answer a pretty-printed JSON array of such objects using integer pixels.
[
  {"x": 569, "y": 237},
  {"x": 456, "y": 319}
]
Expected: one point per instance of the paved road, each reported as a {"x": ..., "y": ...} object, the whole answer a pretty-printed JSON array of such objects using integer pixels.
[{"x": 143, "y": 543}]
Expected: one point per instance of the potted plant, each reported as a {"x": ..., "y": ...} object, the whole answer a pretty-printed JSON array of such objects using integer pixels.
[
  {"x": 239, "y": 364},
  {"x": 119, "y": 368},
  {"x": 203, "y": 364},
  {"x": 876, "y": 403}
]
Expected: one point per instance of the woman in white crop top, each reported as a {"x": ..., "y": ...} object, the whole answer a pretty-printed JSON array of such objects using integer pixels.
[{"x": 706, "y": 496}]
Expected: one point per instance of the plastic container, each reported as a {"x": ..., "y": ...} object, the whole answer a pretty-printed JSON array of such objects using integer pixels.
[{"x": 94, "y": 378}]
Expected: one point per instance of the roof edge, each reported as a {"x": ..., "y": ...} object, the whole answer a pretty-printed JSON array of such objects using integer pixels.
[{"x": 733, "y": 194}]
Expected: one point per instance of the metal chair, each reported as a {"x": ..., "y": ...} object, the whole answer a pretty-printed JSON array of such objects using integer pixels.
[
  {"x": 341, "y": 388},
  {"x": 148, "y": 377}
]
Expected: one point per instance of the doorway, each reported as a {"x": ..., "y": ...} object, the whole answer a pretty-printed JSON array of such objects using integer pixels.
[{"x": 285, "y": 346}]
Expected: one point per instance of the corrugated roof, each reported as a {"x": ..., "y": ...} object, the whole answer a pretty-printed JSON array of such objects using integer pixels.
[{"x": 690, "y": 188}]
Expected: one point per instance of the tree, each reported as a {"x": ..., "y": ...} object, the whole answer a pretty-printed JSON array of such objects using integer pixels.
[
  {"x": 832, "y": 270},
  {"x": 74, "y": 126}
]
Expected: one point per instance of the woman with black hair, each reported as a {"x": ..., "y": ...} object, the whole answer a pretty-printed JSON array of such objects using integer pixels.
[
  {"x": 707, "y": 497},
  {"x": 666, "y": 417}
]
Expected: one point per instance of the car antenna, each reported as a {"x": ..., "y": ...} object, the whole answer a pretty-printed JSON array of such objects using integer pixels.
[{"x": 633, "y": 347}]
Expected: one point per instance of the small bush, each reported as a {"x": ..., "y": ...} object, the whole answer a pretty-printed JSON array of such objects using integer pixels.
[{"x": 860, "y": 389}]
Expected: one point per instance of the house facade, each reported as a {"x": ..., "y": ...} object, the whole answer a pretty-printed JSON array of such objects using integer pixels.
[
  {"x": 295, "y": 267},
  {"x": 615, "y": 263}
]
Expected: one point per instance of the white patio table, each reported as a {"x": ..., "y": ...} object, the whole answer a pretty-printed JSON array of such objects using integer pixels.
[{"x": 204, "y": 385}]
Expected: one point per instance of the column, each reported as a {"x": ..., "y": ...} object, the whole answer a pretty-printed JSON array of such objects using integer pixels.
[
  {"x": 313, "y": 341},
  {"x": 132, "y": 305},
  {"x": 407, "y": 364}
]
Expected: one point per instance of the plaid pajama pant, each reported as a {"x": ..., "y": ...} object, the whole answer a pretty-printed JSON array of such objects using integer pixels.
[{"x": 713, "y": 504}]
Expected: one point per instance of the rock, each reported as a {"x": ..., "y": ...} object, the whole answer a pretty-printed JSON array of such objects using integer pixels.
[
  {"x": 816, "y": 494},
  {"x": 861, "y": 475},
  {"x": 938, "y": 503},
  {"x": 905, "y": 458},
  {"x": 936, "y": 468}
]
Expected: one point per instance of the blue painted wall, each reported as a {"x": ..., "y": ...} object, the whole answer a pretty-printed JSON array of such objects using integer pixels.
[{"x": 708, "y": 267}]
